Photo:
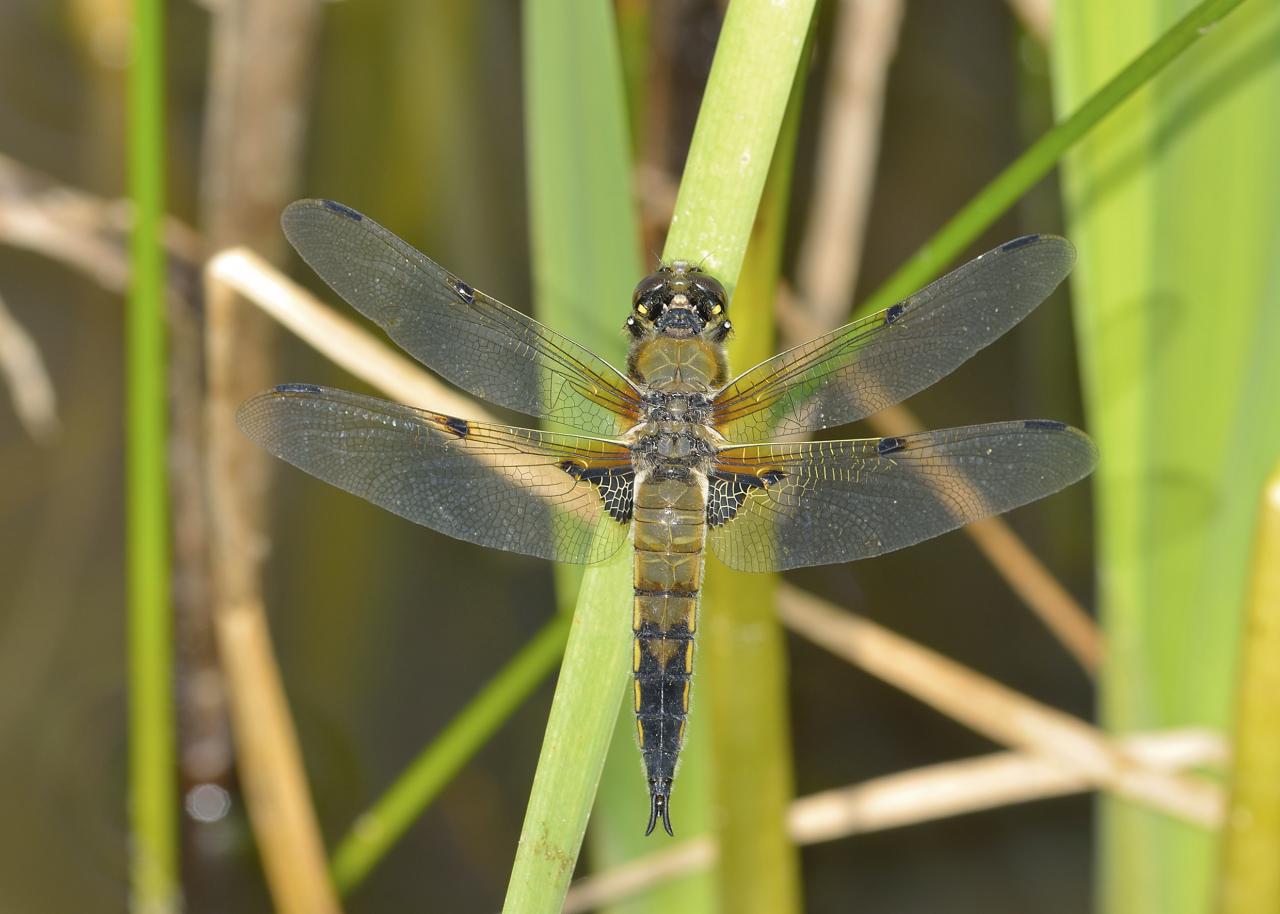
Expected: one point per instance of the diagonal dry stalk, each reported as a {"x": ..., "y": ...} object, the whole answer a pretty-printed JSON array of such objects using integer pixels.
[
  {"x": 24, "y": 372},
  {"x": 997, "y": 711},
  {"x": 863, "y": 47},
  {"x": 904, "y": 798}
]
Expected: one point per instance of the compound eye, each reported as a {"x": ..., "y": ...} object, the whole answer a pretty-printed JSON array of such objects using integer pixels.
[
  {"x": 711, "y": 293},
  {"x": 647, "y": 299}
]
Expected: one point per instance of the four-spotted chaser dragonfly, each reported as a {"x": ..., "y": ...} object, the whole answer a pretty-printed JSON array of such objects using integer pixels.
[{"x": 675, "y": 455}]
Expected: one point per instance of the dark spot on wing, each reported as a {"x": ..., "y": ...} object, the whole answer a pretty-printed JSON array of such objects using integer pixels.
[
  {"x": 889, "y": 446},
  {"x": 726, "y": 492},
  {"x": 459, "y": 427},
  {"x": 616, "y": 486},
  {"x": 298, "y": 389},
  {"x": 335, "y": 207},
  {"x": 893, "y": 313},
  {"x": 1019, "y": 243},
  {"x": 1048, "y": 425},
  {"x": 464, "y": 291}
]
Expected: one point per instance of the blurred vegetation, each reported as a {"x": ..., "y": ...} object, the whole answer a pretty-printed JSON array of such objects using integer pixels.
[
  {"x": 1175, "y": 210},
  {"x": 385, "y": 630}
]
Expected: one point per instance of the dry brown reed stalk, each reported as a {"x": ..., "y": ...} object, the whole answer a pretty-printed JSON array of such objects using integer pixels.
[
  {"x": 1036, "y": 17},
  {"x": 340, "y": 339},
  {"x": 255, "y": 119},
  {"x": 997, "y": 711},
  {"x": 905, "y": 798},
  {"x": 863, "y": 47},
  {"x": 83, "y": 231},
  {"x": 24, "y": 372}
]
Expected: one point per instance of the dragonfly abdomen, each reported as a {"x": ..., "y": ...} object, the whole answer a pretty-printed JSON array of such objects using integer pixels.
[{"x": 670, "y": 532}]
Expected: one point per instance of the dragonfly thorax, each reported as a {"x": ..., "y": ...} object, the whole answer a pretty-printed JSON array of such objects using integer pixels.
[
  {"x": 672, "y": 445},
  {"x": 661, "y": 406}
]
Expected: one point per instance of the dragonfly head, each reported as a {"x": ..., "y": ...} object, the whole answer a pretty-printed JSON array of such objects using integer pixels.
[{"x": 678, "y": 300}]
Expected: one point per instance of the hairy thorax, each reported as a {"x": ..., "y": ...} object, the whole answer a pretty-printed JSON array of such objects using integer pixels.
[{"x": 678, "y": 377}]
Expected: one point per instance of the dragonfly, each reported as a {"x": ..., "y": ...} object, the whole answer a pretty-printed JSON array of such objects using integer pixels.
[{"x": 674, "y": 455}]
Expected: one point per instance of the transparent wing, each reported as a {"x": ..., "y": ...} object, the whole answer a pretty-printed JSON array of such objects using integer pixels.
[
  {"x": 558, "y": 497},
  {"x": 475, "y": 341},
  {"x": 778, "y": 506},
  {"x": 875, "y": 362}
]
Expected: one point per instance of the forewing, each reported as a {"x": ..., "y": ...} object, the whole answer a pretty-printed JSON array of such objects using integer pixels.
[
  {"x": 475, "y": 341},
  {"x": 558, "y": 497},
  {"x": 875, "y": 362},
  {"x": 778, "y": 506}
]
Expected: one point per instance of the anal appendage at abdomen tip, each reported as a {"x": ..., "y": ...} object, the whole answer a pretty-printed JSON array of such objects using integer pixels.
[{"x": 659, "y": 806}]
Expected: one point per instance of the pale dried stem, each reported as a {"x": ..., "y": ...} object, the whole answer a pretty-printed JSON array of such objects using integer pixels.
[
  {"x": 906, "y": 798},
  {"x": 269, "y": 762},
  {"x": 28, "y": 380},
  {"x": 72, "y": 227},
  {"x": 1036, "y": 17},
  {"x": 866, "y": 38},
  {"x": 341, "y": 340},
  {"x": 260, "y": 59},
  {"x": 997, "y": 711}
]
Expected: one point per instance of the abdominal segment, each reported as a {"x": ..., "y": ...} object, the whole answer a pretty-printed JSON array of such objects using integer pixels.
[{"x": 670, "y": 531}]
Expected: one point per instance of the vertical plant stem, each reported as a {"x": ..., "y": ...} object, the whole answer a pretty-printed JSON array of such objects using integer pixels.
[
  {"x": 756, "y": 58},
  {"x": 1175, "y": 210},
  {"x": 752, "y": 78},
  {"x": 592, "y": 679},
  {"x": 152, "y": 787},
  {"x": 585, "y": 259},
  {"x": 758, "y": 869},
  {"x": 1250, "y": 879}
]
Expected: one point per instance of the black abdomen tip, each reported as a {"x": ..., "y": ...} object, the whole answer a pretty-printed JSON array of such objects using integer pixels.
[{"x": 659, "y": 807}]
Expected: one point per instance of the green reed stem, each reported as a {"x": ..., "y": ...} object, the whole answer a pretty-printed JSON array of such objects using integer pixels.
[
  {"x": 585, "y": 258},
  {"x": 1249, "y": 882},
  {"x": 153, "y": 806},
  {"x": 755, "y": 64},
  {"x": 759, "y": 866},
  {"x": 739, "y": 124}
]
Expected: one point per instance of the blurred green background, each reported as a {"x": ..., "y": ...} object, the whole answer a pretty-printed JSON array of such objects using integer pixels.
[{"x": 384, "y": 629}]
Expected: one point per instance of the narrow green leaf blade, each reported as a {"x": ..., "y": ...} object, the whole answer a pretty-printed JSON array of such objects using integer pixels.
[{"x": 1175, "y": 209}]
